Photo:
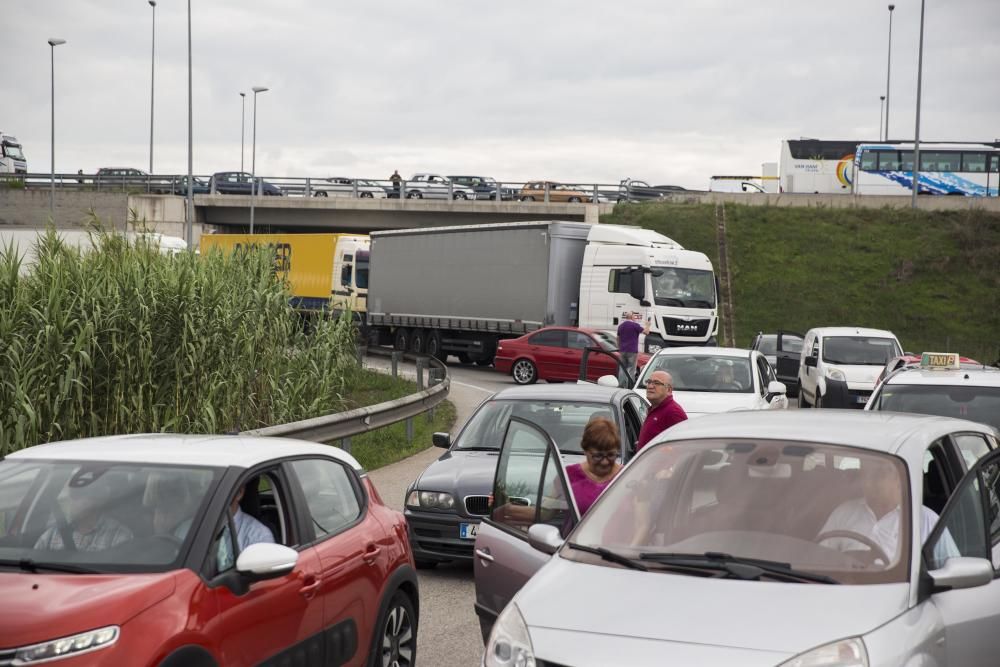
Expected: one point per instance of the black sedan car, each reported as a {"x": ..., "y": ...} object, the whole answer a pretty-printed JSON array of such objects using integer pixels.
[
  {"x": 445, "y": 504},
  {"x": 238, "y": 183},
  {"x": 632, "y": 190}
]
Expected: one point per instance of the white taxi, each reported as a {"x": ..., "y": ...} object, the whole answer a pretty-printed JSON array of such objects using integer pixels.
[{"x": 942, "y": 385}]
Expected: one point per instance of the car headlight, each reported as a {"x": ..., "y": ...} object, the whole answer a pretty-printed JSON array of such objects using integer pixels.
[
  {"x": 67, "y": 646},
  {"x": 836, "y": 374},
  {"x": 431, "y": 500},
  {"x": 509, "y": 644},
  {"x": 844, "y": 653}
]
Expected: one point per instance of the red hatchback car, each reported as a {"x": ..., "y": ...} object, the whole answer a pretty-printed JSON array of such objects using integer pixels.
[
  {"x": 554, "y": 354},
  {"x": 197, "y": 551}
]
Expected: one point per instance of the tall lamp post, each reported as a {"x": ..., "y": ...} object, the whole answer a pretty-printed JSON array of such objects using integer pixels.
[
  {"x": 243, "y": 125},
  {"x": 189, "y": 232},
  {"x": 253, "y": 154},
  {"x": 888, "y": 72},
  {"x": 53, "y": 43},
  {"x": 881, "y": 109},
  {"x": 152, "y": 84},
  {"x": 916, "y": 128}
]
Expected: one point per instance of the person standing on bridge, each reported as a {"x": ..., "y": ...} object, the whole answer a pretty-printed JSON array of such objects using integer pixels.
[{"x": 396, "y": 180}]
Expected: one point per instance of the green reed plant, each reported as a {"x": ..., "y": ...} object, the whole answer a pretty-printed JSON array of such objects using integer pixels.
[{"x": 122, "y": 338}]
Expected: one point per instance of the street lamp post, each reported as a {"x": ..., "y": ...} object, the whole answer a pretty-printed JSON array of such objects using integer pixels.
[
  {"x": 189, "y": 232},
  {"x": 53, "y": 43},
  {"x": 888, "y": 72},
  {"x": 152, "y": 84},
  {"x": 243, "y": 125},
  {"x": 253, "y": 154},
  {"x": 881, "y": 109},
  {"x": 916, "y": 128}
]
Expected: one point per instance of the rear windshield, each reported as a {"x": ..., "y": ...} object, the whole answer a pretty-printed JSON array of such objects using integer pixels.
[{"x": 978, "y": 404}]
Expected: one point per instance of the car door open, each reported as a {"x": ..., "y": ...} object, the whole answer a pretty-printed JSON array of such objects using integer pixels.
[{"x": 530, "y": 487}]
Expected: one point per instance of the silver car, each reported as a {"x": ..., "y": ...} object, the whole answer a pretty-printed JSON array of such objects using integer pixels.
[
  {"x": 794, "y": 538},
  {"x": 435, "y": 186}
]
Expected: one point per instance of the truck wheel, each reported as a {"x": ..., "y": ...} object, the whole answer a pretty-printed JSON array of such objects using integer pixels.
[
  {"x": 434, "y": 344},
  {"x": 418, "y": 341},
  {"x": 524, "y": 372},
  {"x": 402, "y": 340},
  {"x": 464, "y": 358},
  {"x": 484, "y": 362}
]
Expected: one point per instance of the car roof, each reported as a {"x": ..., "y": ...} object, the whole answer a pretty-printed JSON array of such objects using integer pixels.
[
  {"x": 851, "y": 331},
  {"x": 218, "y": 451},
  {"x": 878, "y": 431},
  {"x": 731, "y": 352},
  {"x": 914, "y": 375},
  {"x": 588, "y": 392}
]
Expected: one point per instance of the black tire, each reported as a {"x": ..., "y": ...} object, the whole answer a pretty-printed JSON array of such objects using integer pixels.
[
  {"x": 460, "y": 195},
  {"x": 574, "y": 200},
  {"x": 802, "y": 401},
  {"x": 818, "y": 402},
  {"x": 464, "y": 358},
  {"x": 418, "y": 341},
  {"x": 321, "y": 193},
  {"x": 527, "y": 199},
  {"x": 434, "y": 345},
  {"x": 524, "y": 372},
  {"x": 414, "y": 194},
  {"x": 394, "y": 643},
  {"x": 401, "y": 340},
  {"x": 366, "y": 195},
  {"x": 425, "y": 564}
]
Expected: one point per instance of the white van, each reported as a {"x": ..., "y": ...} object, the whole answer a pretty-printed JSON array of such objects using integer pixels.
[{"x": 839, "y": 365}]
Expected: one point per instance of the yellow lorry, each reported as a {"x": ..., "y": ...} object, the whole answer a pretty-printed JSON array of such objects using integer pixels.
[{"x": 325, "y": 272}]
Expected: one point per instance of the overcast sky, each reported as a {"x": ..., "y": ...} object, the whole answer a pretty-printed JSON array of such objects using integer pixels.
[{"x": 672, "y": 91}]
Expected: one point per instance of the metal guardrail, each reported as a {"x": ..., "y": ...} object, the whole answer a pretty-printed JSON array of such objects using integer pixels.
[
  {"x": 343, "y": 425},
  {"x": 354, "y": 188}
]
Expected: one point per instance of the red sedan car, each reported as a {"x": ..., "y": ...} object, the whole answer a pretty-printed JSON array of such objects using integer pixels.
[
  {"x": 554, "y": 354},
  {"x": 198, "y": 551}
]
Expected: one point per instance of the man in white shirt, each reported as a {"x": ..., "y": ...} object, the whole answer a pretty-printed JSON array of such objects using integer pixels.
[{"x": 877, "y": 514}]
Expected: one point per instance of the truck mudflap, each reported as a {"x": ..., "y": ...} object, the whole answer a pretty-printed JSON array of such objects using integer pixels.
[{"x": 836, "y": 395}]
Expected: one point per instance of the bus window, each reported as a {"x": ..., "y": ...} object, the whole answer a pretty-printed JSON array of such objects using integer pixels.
[
  {"x": 939, "y": 161},
  {"x": 869, "y": 160},
  {"x": 994, "y": 164},
  {"x": 974, "y": 162},
  {"x": 906, "y": 160},
  {"x": 888, "y": 161}
]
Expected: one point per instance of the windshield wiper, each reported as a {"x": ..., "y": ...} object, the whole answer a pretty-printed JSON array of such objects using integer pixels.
[
  {"x": 738, "y": 567},
  {"x": 669, "y": 301},
  {"x": 477, "y": 448},
  {"x": 610, "y": 556},
  {"x": 698, "y": 303},
  {"x": 31, "y": 565}
]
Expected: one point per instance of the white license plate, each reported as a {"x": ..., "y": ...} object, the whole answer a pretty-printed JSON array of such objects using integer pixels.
[{"x": 467, "y": 531}]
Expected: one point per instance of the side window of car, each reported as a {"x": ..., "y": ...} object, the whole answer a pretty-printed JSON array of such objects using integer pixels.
[
  {"x": 330, "y": 494},
  {"x": 553, "y": 338},
  {"x": 579, "y": 341},
  {"x": 764, "y": 370},
  {"x": 960, "y": 531},
  {"x": 619, "y": 281},
  {"x": 633, "y": 424},
  {"x": 973, "y": 446}
]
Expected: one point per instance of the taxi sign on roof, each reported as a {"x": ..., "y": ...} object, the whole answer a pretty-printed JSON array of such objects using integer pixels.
[{"x": 943, "y": 360}]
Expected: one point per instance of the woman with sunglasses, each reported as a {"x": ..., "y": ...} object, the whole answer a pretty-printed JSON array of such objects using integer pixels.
[{"x": 602, "y": 446}]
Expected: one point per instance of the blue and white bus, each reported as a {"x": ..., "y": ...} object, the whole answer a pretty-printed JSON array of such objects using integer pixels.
[{"x": 971, "y": 170}]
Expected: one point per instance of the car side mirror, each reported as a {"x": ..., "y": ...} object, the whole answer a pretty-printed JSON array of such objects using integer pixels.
[
  {"x": 811, "y": 361},
  {"x": 775, "y": 388},
  {"x": 644, "y": 303},
  {"x": 442, "y": 440},
  {"x": 637, "y": 284},
  {"x": 266, "y": 561},
  {"x": 607, "y": 381},
  {"x": 958, "y": 572},
  {"x": 545, "y": 538}
]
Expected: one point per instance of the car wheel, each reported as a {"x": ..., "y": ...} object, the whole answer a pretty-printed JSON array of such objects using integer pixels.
[
  {"x": 527, "y": 199},
  {"x": 460, "y": 195},
  {"x": 574, "y": 200},
  {"x": 434, "y": 344},
  {"x": 418, "y": 341},
  {"x": 802, "y": 401},
  {"x": 818, "y": 403},
  {"x": 524, "y": 372},
  {"x": 425, "y": 564},
  {"x": 321, "y": 193},
  {"x": 366, "y": 195},
  {"x": 414, "y": 194},
  {"x": 395, "y": 640},
  {"x": 401, "y": 340}
]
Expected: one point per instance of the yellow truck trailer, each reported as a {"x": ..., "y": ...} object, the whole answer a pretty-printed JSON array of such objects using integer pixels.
[{"x": 323, "y": 271}]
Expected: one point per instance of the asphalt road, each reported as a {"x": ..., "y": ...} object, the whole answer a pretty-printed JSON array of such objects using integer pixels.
[{"x": 449, "y": 630}]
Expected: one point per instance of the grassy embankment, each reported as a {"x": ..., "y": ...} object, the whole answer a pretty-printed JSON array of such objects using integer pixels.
[
  {"x": 124, "y": 339},
  {"x": 933, "y": 278}
]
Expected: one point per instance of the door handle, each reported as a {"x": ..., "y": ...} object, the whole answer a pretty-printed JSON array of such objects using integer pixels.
[
  {"x": 371, "y": 554},
  {"x": 485, "y": 555},
  {"x": 311, "y": 586}
]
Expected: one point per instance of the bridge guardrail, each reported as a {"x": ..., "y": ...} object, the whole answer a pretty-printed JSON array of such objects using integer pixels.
[{"x": 343, "y": 425}]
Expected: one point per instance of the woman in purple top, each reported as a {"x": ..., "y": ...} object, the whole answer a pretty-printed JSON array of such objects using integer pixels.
[{"x": 602, "y": 447}]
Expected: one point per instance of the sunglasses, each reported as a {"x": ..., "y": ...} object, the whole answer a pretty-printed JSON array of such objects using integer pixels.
[{"x": 606, "y": 456}]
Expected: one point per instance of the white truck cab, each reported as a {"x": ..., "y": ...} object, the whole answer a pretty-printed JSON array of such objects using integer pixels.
[
  {"x": 12, "y": 159},
  {"x": 633, "y": 269},
  {"x": 839, "y": 365},
  {"x": 350, "y": 273}
]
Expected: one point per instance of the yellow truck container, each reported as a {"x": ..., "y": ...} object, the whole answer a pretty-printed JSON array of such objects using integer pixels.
[{"x": 323, "y": 271}]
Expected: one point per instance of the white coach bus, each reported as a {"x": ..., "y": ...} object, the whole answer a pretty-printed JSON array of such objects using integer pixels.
[
  {"x": 969, "y": 170},
  {"x": 817, "y": 166}
]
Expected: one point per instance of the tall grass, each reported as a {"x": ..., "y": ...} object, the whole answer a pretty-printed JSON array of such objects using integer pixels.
[{"x": 124, "y": 339}]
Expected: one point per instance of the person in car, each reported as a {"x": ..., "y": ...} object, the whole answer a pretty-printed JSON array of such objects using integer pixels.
[
  {"x": 664, "y": 411},
  {"x": 876, "y": 516},
  {"x": 249, "y": 531},
  {"x": 602, "y": 447},
  {"x": 91, "y": 529},
  {"x": 725, "y": 380}
]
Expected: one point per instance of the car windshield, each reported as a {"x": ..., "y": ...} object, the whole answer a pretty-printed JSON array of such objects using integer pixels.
[
  {"x": 823, "y": 509},
  {"x": 562, "y": 420},
  {"x": 99, "y": 516},
  {"x": 13, "y": 151},
  {"x": 859, "y": 350},
  {"x": 687, "y": 288},
  {"x": 703, "y": 372},
  {"x": 978, "y": 404}
]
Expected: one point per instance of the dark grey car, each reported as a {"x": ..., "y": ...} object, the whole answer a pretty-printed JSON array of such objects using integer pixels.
[{"x": 445, "y": 504}]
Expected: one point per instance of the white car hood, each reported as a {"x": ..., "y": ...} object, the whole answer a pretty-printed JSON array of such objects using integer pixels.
[
  {"x": 602, "y": 613},
  {"x": 697, "y": 403}
]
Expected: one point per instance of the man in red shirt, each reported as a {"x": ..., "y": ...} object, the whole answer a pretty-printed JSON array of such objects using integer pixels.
[{"x": 664, "y": 411}]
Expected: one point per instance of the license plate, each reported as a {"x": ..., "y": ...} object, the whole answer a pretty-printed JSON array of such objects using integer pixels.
[
  {"x": 467, "y": 531},
  {"x": 861, "y": 399}
]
